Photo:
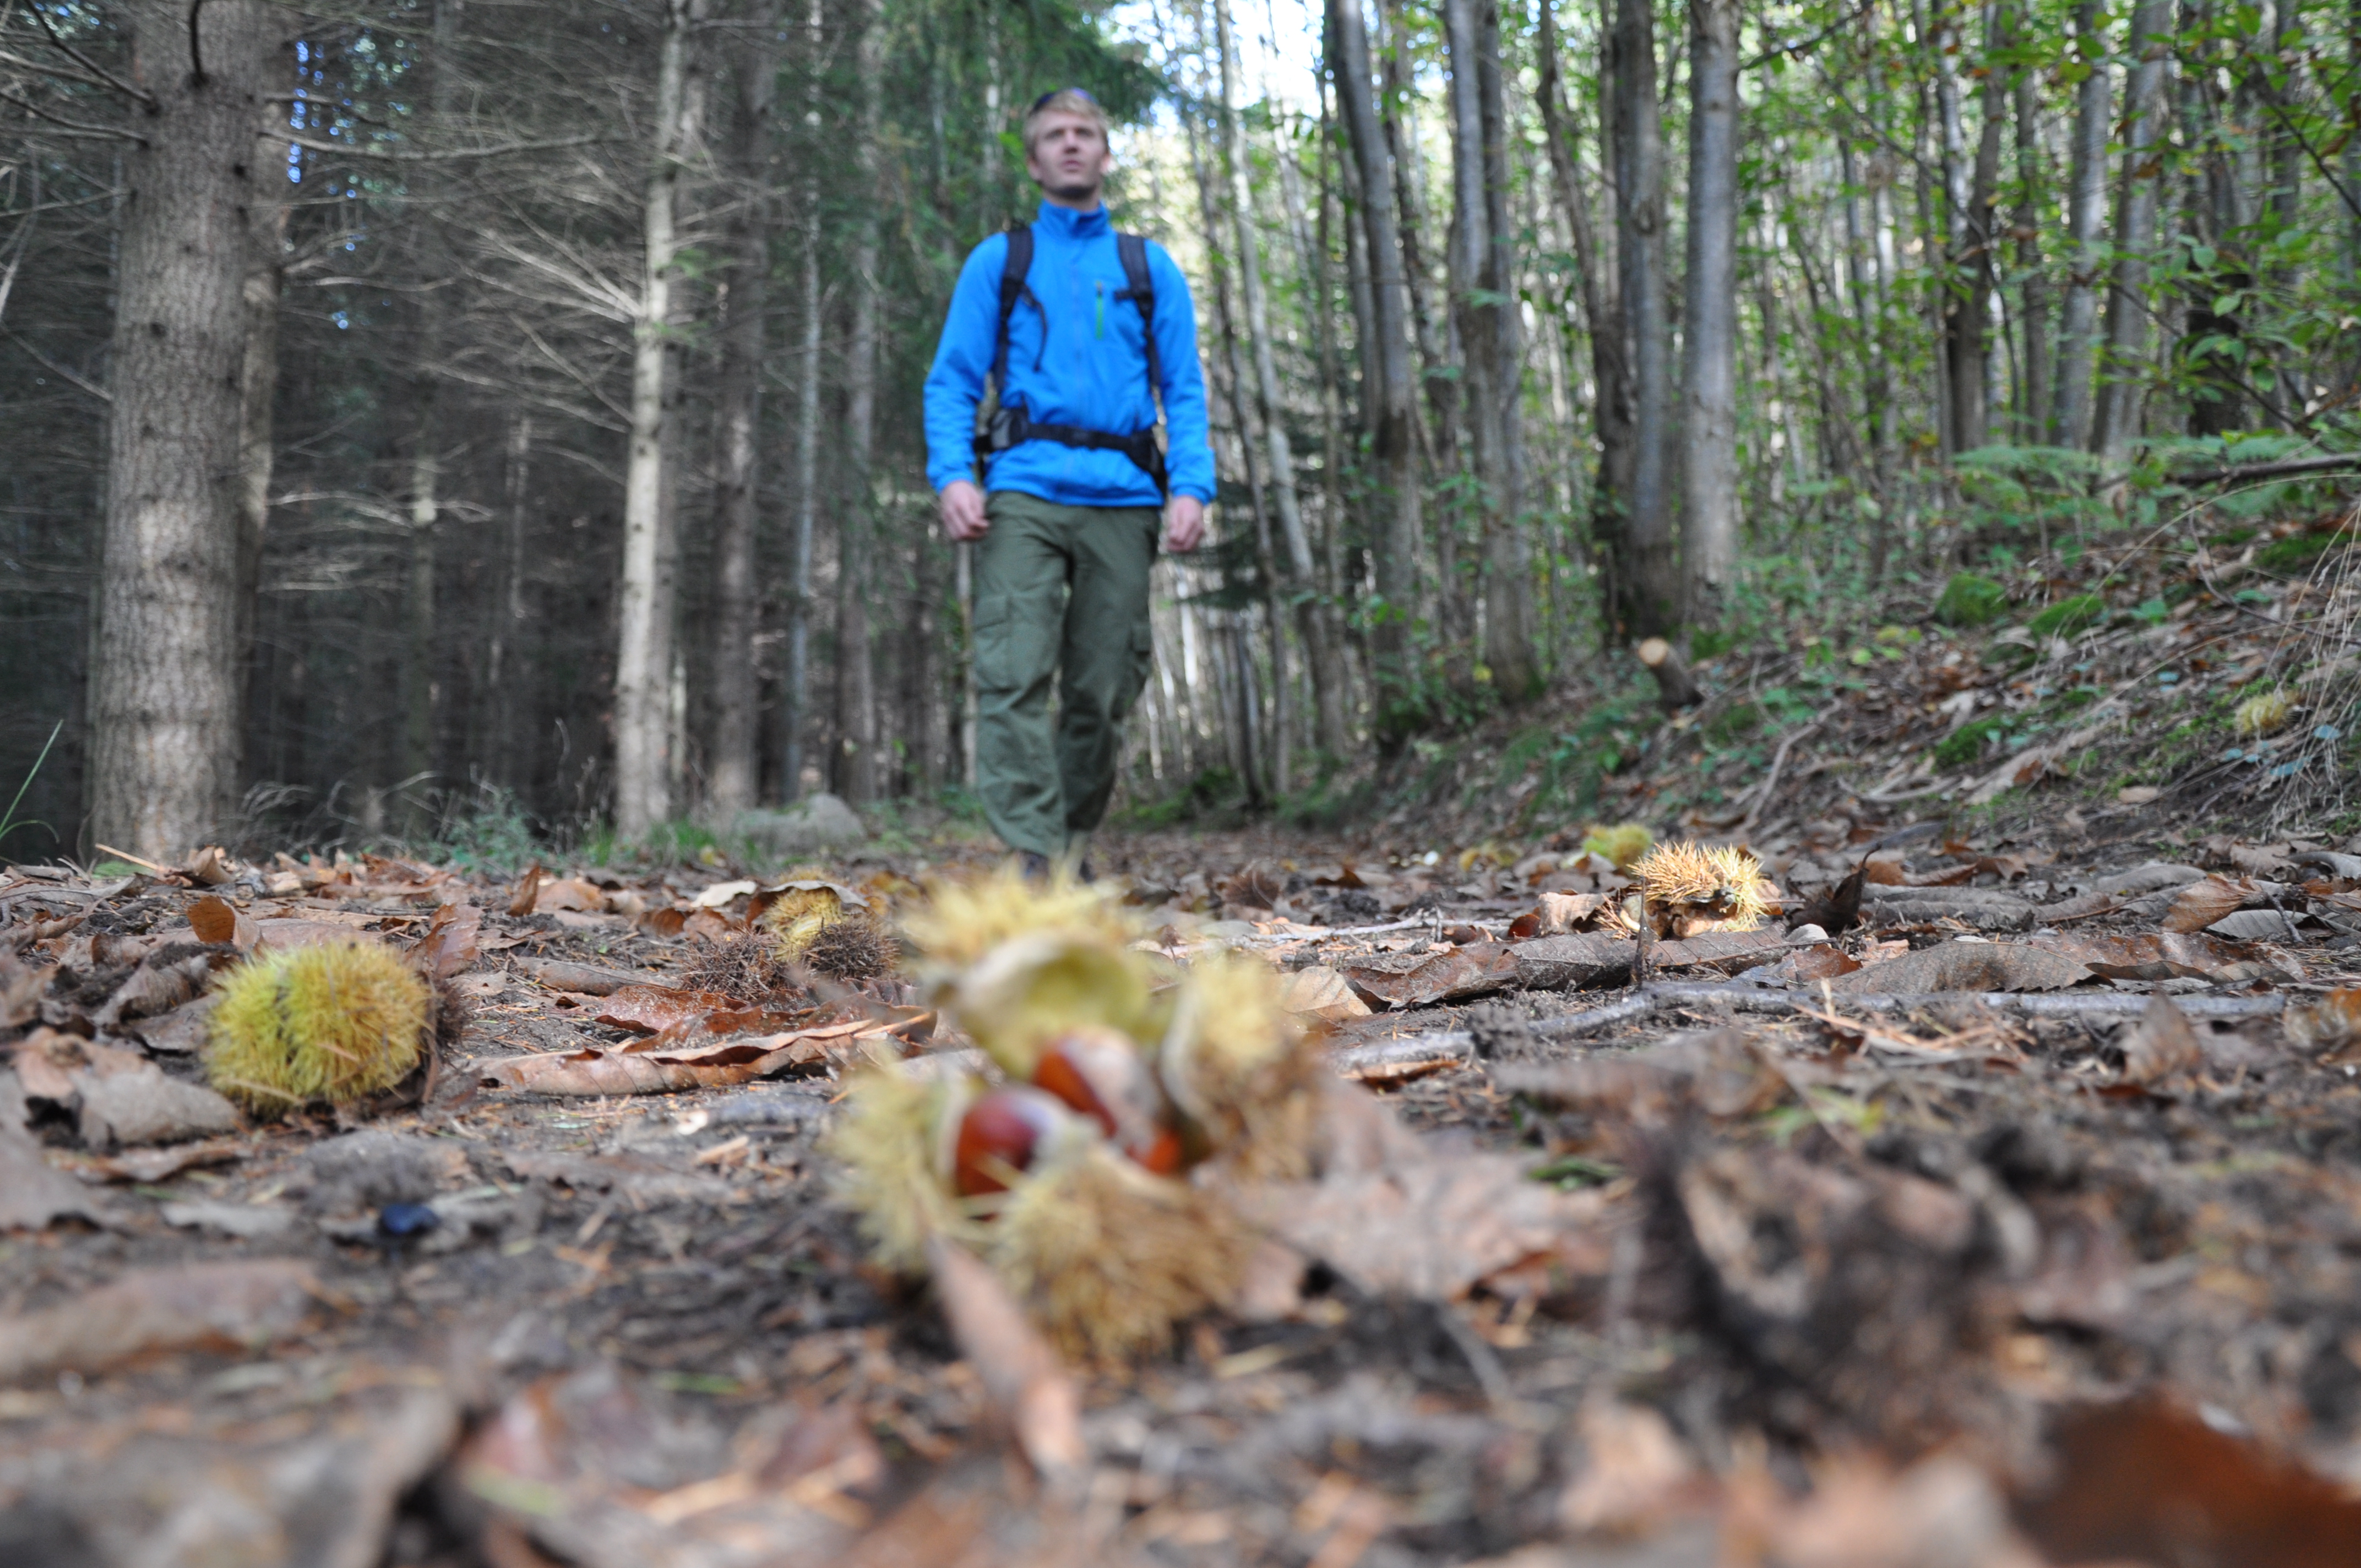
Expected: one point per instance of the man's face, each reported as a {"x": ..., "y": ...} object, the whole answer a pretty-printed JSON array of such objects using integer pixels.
[{"x": 1069, "y": 159}]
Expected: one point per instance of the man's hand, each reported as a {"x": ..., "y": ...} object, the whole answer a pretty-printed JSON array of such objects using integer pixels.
[
  {"x": 1184, "y": 523},
  {"x": 962, "y": 508}
]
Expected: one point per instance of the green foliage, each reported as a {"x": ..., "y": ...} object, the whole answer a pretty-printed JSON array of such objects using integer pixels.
[
  {"x": 2294, "y": 555},
  {"x": 1970, "y": 599},
  {"x": 1970, "y": 741},
  {"x": 497, "y": 837},
  {"x": 2069, "y": 617},
  {"x": 8, "y": 823}
]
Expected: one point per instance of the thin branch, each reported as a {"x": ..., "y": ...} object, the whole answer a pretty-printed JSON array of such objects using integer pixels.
[
  {"x": 89, "y": 64},
  {"x": 2281, "y": 468},
  {"x": 101, "y": 393},
  {"x": 108, "y": 132},
  {"x": 450, "y": 156}
]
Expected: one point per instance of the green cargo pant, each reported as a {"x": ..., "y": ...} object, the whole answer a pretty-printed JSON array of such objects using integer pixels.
[{"x": 1058, "y": 589}]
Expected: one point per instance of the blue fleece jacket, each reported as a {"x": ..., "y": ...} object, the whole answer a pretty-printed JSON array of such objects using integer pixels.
[{"x": 1078, "y": 360}]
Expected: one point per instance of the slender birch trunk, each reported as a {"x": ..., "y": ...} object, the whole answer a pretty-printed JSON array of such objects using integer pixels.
[
  {"x": 644, "y": 654},
  {"x": 734, "y": 772},
  {"x": 164, "y": 673},
  {"x": 2032, "y": 290},
  {"x": 1388, "y": 401},
  {"x": 2086, "y": 201},
  {"x": 1709, "y": 331},
  {"x": 2120, "y": 393}
]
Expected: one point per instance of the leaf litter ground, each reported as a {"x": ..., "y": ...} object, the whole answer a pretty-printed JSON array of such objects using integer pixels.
[{"x": 2016, "y": 1223}]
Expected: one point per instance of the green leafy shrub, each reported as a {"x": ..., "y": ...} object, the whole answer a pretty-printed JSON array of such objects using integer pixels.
[
  {"x": 1970, "y": 599},
  {"x": 2069, "y": 617},
  {"x": 2294, "y": 554}
]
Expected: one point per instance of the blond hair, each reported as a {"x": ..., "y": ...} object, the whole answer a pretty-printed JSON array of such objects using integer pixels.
[{"x": 1064, "y": 101}]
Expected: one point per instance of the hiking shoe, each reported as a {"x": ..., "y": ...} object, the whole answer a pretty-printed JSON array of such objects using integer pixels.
[
  {"x": 1083, "y": 870},
  {"x": 1036, "y": 867}
]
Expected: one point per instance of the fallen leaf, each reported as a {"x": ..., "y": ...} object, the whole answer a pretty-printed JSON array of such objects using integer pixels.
[
  {"x": 152, "y": 1166},
  {"x": 526, "y": 893},
  {"x": 718, "y": 1064},
  {"x": 1965, "y": 966},
  {"x": 1572, "y": 962},
  {"x": 449, "y": 944},
  {"x": 2253, "y": 925},
  {"x": 1421, "y": 980},
  {"x": 2137, "y": 795},
  {"x": 210, "y": 867},
  {"x": 216, "y": 920},
  {"x": 238, "y": 1306},
  {"x": 1838, "y": 910},
  {"x": 1030, "y": 1390},
  {"x": 721, "y": 893},
  {"x": 1809, "y": 966},
  {"x": 154, "y": 987},
  {"x": 1321, "y": 992},
  {"x": 652, "y": 1009},
  {"x": 34, "y": 1194},
  {"x": 2160, "y": 1047},
  {"x": 586, "y": 979},
  {"x": 2166, "y": 955},
  {"x": 1428, "y": 1227},
  {"x": 2141, "y": 1481},
  {"x": 1634, "y": 1469},
  {"x": 572, "y": 893},
  {"x": 2201, "y": 904}
]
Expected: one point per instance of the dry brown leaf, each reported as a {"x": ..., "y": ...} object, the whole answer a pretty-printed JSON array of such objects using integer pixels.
[
  {"x": 2161, "y": 1046},
  {"x": 216, "y": 920},
  {"x": 449, "y": 944},
  {"x": 33, "y": 1193},
  {"x": 1030, "y": 1389},
  {"x": 284, "y": 936},
  {"x": 523, "y": 896},
  {"x": 1420, "y": 979},
  {"x": 1321, "y": 992},
  {"x": 1429, "y": 1227},
  {"x": 2166, "y": 955},
  {"x": 235, "y": 1305},
  {"x": 653, "y": 1067},
  {"x": 2199, "y": 904},
  {"x": 572, "y": 893},
  {"x": 652, "y": 1009},
  {"x": 1634, "y": 1471},
  {"x": 1965, "y": 966}
]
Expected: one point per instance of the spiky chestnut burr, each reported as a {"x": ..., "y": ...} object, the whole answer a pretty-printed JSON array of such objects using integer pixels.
[{"x": 331, "y": 1024}]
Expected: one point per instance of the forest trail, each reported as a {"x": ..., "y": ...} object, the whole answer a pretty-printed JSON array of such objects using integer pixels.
[{"x": 2014, "y": 1173}]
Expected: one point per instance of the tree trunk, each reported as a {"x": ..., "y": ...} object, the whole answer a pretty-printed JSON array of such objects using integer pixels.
[
  {"x": 734, "y": 772},
  {"x": 164, "y": 676},
  {"x": 1270, "y": 405},
  {"x": 258, "y": 395},
  {"x": 2120, "y": 394},
  {"x": 644, "y": 657},
  {"x": 1968, "y": 182},
  {"x": 857, "y": 772},
  {"x": 1602, "y": 307},
  {"x": 2086, "y": 215},
  {"x": 1710, "y": 328},
  {"x": 1393, "y": 534},
  {"x": 1650, "y": 581},
  {"x": 2033, "y": 295},
  {"x": 796, "y": 699},
  {"x": 1437, "y": 371},
  {"x": 1322, "y": 637}
]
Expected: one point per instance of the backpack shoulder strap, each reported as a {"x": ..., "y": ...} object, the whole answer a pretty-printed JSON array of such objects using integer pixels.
[
  {"x": 1013, "y": 269},
  {"x": 1132, "y": 250}
]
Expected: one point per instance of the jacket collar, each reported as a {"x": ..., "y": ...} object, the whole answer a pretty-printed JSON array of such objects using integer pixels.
[{"x": 1065, "y": 221}]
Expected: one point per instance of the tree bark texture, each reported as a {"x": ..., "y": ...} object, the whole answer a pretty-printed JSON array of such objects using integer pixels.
[
  {"x": 734, "y": 772},
  {"x": 2086, "y": 216},
  {"x": 856, "y": 667},
  {"x": 2033, "y": 292},
  {"x": 1602, "y": 305},
  {"x": 1709, "y": 330},
  {"x": 1650, "y": 583},
  {"x": 1270, "y": 404},
  {"x": 1394, "y": 523},
  {"x": 2120, "y": 393},
  {"x": 164, "y": 678},
  {"x": 644, "y": 650},
  {"x": 796, "y": 702}
]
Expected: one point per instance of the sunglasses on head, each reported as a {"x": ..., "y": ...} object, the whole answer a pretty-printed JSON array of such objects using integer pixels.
[{"x": 1043, "y": 102}]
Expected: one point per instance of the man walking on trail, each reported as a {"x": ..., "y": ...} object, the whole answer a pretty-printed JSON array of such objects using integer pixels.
[{"x": 1082, "y": 331}]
